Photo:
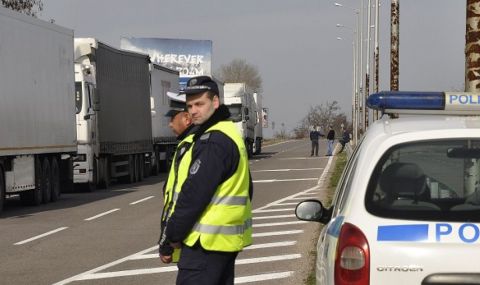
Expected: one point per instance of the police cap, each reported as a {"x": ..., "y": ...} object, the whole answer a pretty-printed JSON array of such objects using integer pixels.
[{"x": 200, "y": 84}]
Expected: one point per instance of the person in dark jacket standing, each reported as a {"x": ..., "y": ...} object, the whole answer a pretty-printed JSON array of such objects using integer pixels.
[
  {"x": 330, "y": 141},
  {"x": 181, "y": 125},
  {"x": 345, "y": 139},
  {"x": 314, "y": 137},
  {"x": 211, "y": 219}
]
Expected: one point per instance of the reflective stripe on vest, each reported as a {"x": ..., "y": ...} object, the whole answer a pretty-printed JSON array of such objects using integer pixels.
[
  {"x": 225, "y": 230},
  {"x": 173, "y": 186},
  {"x": 226, "y": 223}
]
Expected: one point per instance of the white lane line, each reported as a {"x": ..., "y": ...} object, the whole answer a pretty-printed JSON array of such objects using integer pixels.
[
  {"x": 122, "y": 273},
  {"x": 108, "y": 265},
  {"x": 250, "y": 247},
  {"x": 274, "y": 210},
  {"x": 280, "y": 233},
  {"x": 271, "y": 244},
  {"x": 267, "y": 259},
  {"x": 286, "y": 170},
  {"x": 270, "y": 145},
  {"x": 302, "y": 198},
  {"x": 278, "y": 224},
  {"x": 40, "y": 236},
  {"x": 282, "y": 180},
  {"x": 142, "y": 200},
  {"x": 287, "y": 204},
  {"x": 102, "y": 214},
  {"x": 299, "y": 158},
  {"x": 263, "y": 277},
  {"x": 274, "y": 217}
]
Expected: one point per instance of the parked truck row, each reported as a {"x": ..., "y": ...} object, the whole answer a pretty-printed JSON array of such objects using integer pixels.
[{"x": 78, "y": 111}]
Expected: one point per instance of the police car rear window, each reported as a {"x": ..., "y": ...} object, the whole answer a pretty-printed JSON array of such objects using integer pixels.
[{"x": 428, "y": 180}]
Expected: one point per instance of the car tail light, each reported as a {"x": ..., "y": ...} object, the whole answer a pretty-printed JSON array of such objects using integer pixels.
[{"x": 352, "y": 261}]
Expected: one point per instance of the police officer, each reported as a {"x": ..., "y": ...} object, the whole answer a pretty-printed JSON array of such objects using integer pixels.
[
  {"x": 211, "y": 220},
  {"x": 181, "y": 125}
]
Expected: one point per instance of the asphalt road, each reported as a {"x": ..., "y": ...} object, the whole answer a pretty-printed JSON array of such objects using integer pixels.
[{"x": 109, "y": 237}]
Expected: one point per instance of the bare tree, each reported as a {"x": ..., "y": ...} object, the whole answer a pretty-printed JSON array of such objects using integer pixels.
[
  {"x": 238, "y": 70},
  {"x": 29, "y": 7},
  {"x": 324, "y": 115}
]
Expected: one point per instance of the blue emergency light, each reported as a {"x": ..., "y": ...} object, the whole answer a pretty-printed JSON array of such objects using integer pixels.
[{"x": 463, "y": 103}]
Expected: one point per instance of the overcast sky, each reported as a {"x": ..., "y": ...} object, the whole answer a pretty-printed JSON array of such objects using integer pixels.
[{"x": 293, "y": 43}]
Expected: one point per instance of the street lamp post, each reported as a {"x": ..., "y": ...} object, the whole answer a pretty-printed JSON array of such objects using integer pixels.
[
  {"x": 358, "y": 71},
  {"x": 355, "y": 90}
]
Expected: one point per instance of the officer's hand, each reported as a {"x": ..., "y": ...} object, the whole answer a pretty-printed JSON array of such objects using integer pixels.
[
  {"x": 166, "y": 258},
  {"x": 176, "y": 244}
]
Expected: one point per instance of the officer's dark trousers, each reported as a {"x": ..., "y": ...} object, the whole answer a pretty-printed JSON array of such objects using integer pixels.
[
  {"x": 314, "y": 148},
  {"x": 202, "y": 267}
]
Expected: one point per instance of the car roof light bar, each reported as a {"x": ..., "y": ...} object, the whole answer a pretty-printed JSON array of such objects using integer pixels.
[{"x": 458, "y": 103}]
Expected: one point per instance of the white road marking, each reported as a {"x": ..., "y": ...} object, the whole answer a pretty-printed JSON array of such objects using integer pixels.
[
  {"x": 271, "y": 244},
  {"x": 102, "y": 214},
  {"x": 278, "y": 224},
  {"x": 274, "y": 217},
  {"x": 282, "y": 180},
  {"x": 280, "y": 233},
  {"x": 263, "y": 277},
  {"x": 274, "y": 210},
  {"x": 304, "y": 198},
  {"x": 270, "y": 145},
  {"x": 286, "y": 170},
  {"x": 108, "y": 265},
  {"x": 40, "y": 236},
  {"x": 287, "y": 204},
  {"x": 267, "y": 259},
  {"x": 300, "y": 158},
  {"x": 142, "y": 200}
]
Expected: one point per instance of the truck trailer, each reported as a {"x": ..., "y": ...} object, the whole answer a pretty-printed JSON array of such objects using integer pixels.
[
  {"x": 241, "y": 104},
  {"x": 258, "y": 133},
  {"x": 37, "y": 108},
  {"x": 114, "y": 123},
  {"x": 162, "y": 81}
]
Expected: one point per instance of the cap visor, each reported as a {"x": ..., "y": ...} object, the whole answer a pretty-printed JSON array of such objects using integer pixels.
[{"x": 172, "y": 113}]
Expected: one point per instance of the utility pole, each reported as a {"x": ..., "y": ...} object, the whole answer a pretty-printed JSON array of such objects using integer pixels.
[
  {"x": 472, "y": 82},
  {"x": 395, "y": 43},
  {"x": 376, "y": 56},
  {"x": 472, "y": 47},
  {"x": 367, "y": 71}
]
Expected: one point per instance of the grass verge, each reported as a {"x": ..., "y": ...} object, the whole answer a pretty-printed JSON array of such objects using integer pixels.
[{"x": 340, "y": 162}]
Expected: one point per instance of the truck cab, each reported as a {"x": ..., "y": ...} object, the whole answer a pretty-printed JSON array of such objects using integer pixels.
[{"x": 241, "y": 105}]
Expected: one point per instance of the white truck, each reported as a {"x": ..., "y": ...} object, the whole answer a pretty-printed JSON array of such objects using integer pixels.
[
  {"x": 114, "y": 122},
  {"x": 162, "y": 81},
  {"x": 239, "y": 100},
  {"x": 258, "y": 133},
  {"x": 37, "y": 108}
]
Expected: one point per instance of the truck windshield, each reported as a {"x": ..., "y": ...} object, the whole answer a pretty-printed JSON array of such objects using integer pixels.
[
  {"x": 235, "y": 112},
  {"x": 430, "y": 180},
  {"x": 78, "y": 97}
]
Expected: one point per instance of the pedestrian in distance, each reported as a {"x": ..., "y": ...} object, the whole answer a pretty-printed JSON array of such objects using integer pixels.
[
  {"x": 314, "y": 137},
  {"x": 211, "y": 220},
  {"x": 181, "y": 125},
  {"x": 330, "y": 141},
  {"x": 345, "y": 139}
]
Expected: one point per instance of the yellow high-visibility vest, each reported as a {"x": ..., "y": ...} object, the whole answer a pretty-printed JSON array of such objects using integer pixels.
[{"x": 226, "y": 223}]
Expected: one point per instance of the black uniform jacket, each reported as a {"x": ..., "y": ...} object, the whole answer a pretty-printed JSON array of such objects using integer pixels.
[{"x": 216, "y": 158}]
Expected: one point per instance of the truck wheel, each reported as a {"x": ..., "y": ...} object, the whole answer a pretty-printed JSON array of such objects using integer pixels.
[
  {"x": 137, "y": 168},
  {"x": 249, "y": 147},
  {"x": 258, "y": 146},
  {"x": 46, "y": 181},
  {"x": 156, "y": 162},
  {"x": 131, "y": 168},
  {"x": 92, "y": 186},
  {"x": 2, "y": 189},
  {"x": 34, "y": 197},
  {"x": 104, "y": 173},
  {"x": 55, "y": 180}
]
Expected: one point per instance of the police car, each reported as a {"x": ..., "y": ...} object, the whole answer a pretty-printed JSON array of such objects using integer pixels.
[{"x": 407, "y": 207}]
